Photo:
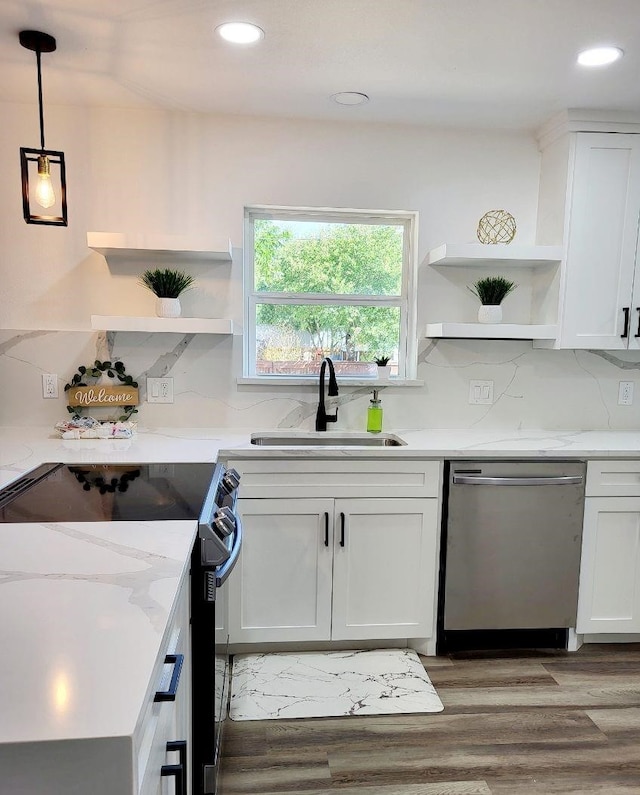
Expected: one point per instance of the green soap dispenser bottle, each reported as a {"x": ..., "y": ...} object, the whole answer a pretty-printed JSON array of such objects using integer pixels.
[{"x": 374, "y": 414}]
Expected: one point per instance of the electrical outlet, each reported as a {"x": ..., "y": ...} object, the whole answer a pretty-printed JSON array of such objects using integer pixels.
[
  {"x": 159, "y": 390},
  {"x": 625, "y": 393},
  {"x": 481, "y": 392},
  {"x": 49, "y": 386}
]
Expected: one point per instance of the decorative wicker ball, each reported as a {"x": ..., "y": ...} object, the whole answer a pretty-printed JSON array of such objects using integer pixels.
[{"x": 496, "y": 226}]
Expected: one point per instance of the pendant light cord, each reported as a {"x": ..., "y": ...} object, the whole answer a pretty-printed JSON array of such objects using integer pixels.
[{"x": 40, "y": 100}]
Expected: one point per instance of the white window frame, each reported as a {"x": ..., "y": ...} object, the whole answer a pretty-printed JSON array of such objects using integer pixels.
[{"x": 406, "y": 301}]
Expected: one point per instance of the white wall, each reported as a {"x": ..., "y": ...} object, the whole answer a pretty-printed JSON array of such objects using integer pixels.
[{"x": 187, "y": 174}]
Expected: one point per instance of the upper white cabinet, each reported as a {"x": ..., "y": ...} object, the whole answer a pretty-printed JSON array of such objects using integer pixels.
[
  {"x": 160, "y": 249},
  {"x": 533, "y": 268},
  {"x": 590, "y": 194}
]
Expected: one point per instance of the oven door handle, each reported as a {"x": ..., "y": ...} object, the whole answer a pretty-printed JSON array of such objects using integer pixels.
[{"x": 227, "y": 567}]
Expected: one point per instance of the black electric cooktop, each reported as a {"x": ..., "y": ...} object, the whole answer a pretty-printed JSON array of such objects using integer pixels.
[{"x": 106, "y": 493}]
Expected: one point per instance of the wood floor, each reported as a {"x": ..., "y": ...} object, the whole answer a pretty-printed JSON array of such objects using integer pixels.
[{"x": 514, "y": 722}]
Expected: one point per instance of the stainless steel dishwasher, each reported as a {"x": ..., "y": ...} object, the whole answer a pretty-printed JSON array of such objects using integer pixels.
[{"x": 512, "y": 553}]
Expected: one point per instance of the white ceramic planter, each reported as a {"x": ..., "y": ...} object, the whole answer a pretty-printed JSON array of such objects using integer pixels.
[
  {"x": 384, "y": 372},
  {"x": 490, "y": 313},
  {"x": 168, "y": 307}
]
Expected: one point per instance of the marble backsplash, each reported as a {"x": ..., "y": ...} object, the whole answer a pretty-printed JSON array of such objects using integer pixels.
[{"x": 533, "y": 388}]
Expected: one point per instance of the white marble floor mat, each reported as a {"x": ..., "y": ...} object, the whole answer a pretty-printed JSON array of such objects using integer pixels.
[{"x": 330, "y": 684}]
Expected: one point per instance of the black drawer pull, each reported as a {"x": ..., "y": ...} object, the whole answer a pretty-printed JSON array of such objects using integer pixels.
[
  {"x": 326, "y": 528},
  {"x": 637, "y": 334},
  {"x": 341, "y": 529},
  {"x": 625, "y": 333},
  {"x": 170, "y": 695},
  {"x": 179, "y": 770}
]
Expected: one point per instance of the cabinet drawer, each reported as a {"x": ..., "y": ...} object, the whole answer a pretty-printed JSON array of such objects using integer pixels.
[
  {"x": 330, "y": 478},
  {"x": 613, "y": 479}
]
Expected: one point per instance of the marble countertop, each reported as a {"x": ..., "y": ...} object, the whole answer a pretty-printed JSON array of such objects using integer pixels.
[
  {"x": 465, "y": 443},
  {"x": 22, "y": 449},
  {"x": 83, "y": 611}
]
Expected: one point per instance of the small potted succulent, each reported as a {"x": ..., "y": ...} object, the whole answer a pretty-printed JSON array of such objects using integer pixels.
[
  {"x": 384, "y": 368},
  {"x": 167, "y": 285},
  {"x": 491, "y": 291}
]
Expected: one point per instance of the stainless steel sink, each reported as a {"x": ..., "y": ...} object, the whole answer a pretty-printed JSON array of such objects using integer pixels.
[{"x": 327, "y": 439}]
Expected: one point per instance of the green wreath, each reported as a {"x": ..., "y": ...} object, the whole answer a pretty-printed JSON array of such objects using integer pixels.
[{"x": 95, "y": 370}]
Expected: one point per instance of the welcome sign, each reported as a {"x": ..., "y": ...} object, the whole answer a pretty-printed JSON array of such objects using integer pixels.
[{"x": 102, "y": 396}]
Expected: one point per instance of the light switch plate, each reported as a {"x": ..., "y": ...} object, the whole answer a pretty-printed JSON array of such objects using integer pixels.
[
  {"x": 481, "y": 392},
  {"x": 159, "y": 390}
]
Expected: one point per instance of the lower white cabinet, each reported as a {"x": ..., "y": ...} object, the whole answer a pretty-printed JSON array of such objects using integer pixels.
[
  {"x": 335, "y": 569},
  {"x": 609, "y": 600},
  {"x": 164, "y": 764}
]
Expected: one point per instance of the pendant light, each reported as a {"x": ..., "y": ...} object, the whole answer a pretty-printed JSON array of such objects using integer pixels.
[{"x": 44, "y": 183}]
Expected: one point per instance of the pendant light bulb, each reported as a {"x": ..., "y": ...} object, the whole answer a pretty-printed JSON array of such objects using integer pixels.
[{"x": 45, "y": 195}]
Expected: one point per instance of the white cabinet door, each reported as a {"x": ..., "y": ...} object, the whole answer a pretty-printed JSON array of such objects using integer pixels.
[
  {"x": 280, "y": 589},
  {"x": 385, "y": 566},
  {"x": 609, "y": 599},
  {"x": 604, "y": 201}
]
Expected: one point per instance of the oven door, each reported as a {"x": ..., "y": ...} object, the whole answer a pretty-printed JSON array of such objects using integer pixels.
[{"x": 211, "y": 667}]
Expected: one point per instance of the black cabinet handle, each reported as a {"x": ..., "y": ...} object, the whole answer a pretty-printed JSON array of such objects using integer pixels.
[
  {"x": 179, "y": 770},
  {"x": 625, "y": 333},
  {"x": 326, "y": 528},
  {"x": 341, "y": 529},
  {"x": 637, "y": 334},
  {"x": 170, "y": 694}
]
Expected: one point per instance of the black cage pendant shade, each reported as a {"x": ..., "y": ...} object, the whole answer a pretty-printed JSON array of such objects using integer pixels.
[{"x": 44, "y": 179}]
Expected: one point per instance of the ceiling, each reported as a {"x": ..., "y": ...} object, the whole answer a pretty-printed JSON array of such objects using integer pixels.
[{"x": 455, "y": 63}]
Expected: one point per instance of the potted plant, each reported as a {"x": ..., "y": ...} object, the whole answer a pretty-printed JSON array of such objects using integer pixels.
[
  {"x": 491, "y": 291},
  {"x": 167, "y": 285},
  {"x": 384, "y": 368}
]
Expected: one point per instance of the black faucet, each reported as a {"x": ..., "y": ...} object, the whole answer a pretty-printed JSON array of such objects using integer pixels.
[{"x": 322, "y": 418}]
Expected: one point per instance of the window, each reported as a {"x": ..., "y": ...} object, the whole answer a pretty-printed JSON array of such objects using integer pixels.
[{"x": 325, "y": 282}]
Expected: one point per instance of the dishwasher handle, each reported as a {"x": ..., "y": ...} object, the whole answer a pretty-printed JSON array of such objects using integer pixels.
[{"x": 502, "y": 480}]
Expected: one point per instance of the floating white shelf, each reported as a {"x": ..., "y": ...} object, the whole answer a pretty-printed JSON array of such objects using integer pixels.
[
  {"x": 492, "y": 331},
  {"x": 177, "y": 325},
  {"x": 151, "y": 249},
  {"x": 477, "y": 254}
]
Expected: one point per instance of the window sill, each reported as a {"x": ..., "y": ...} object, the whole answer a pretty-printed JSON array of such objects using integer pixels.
[{"x": 286, "y": 380}]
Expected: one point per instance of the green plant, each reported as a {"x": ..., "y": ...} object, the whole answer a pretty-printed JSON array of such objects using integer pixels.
[
  {"x": 492, "y": 289},
  {"x": 166, "y": 283},
  {"x": 381, "y": 361}
]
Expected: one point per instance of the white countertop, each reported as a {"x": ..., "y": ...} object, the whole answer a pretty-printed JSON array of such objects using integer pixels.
[
  {"x": 465, "y": 444},
  {"x": 83, "y": 606},
  {"x": 83, "y": 611},
  {"x": 21, "y": 449}
]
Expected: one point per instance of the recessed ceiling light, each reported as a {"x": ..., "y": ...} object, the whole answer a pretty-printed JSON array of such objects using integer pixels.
[
  {"x": 240, "y": 32},
  {"x": 350, "y": 98},
  {"x": 599, "y": 56}
]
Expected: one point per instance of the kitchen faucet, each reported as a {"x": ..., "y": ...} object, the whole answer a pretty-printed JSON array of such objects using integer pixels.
[{"x": 322, "y": 418}]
